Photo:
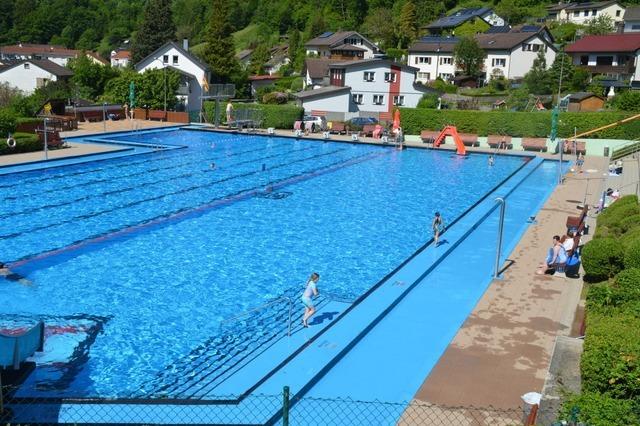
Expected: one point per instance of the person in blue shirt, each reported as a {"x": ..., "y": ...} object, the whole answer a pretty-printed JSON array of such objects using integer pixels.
[{"x": 309, "y": 293}]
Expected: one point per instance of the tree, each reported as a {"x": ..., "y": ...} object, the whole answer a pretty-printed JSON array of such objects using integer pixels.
[
  {"x": 627, "y": 101},
  {"x": 580, "y": 79},
  {"x": 151, "y": 87},
  {"x": 259, "y": 57},
  {"x": 90, "y": 78},
  {"x": 407, "y": 25},
  {"x": 562, "y": 66},
  {"x": 156, "y": 29},
  {"x": 469, "y": 56},
  {"x": 538, "y": 79},
  {"x": 376, "y": 27},
  {"x": 601, "y": 24},
  {"x": 220, "y": 50}
]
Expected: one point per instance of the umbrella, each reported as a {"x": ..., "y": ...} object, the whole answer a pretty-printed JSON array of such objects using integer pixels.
[
  {"x": 396, "y": 120},
  {"x": 132, "y": 95}
]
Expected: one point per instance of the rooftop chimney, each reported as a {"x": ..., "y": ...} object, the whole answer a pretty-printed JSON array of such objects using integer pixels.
[{"x": 185, "y": 44}]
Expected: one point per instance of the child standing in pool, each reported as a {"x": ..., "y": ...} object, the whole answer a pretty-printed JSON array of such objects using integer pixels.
[
  {"x": 437, "y": 225},
  {"x": 310, "y": 292}
]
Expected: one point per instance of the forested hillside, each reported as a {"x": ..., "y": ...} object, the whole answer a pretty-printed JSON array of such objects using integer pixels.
[{"x": 104, "y": 24}]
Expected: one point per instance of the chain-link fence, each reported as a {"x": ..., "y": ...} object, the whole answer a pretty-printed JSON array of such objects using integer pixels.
[{"x": 281, "y": 409}]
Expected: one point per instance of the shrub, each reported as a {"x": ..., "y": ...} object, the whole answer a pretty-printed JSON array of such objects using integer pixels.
[
  {"x": 7, "y": 122},
  {"x": 278, "y": 116},
  {"x": 618, "y": 211},
  {"x": 518, "y": 124},
  {"x": 277, "y": 98},
  {"x": 25, "y": 142},
  {"x": 632, "y": 256},
  {"x": 601, "y": 258},
  {"x": 610, "y": 362},
  {"x": 598, "y": 410},
  {"x": 628, "y": 284},
  {"x": 442, "y": 86},
  {"x": 627, "y": 101},
  {"x": 629, "y": 238},
  {"x": 629, "y": 223},
  {"x": 429, "y": 100}
]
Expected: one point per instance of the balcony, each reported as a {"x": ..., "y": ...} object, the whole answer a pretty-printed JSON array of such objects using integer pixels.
[{"x": 610, "y": 69}]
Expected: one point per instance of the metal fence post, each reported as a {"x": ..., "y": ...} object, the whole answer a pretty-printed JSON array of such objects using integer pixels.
[
  {"x": 1, "y": 398},
  {"x": 500, "y": 230},
  {"x": 285, "y": 406}
]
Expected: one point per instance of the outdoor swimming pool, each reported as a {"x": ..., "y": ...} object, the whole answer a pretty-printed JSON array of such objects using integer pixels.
[{"x": 137, "y": 260}]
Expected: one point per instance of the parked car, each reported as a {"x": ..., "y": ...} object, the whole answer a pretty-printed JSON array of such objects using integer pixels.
[
  {"x": 361, "y": 121},
  {"x": 319, "y": 122}
]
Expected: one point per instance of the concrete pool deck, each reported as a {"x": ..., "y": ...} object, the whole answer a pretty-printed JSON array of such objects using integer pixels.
[{"x": 505, "y": 346}]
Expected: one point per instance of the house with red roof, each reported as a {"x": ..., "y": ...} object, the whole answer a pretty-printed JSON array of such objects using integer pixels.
[
  {"x": 120, "y": 58},
  {"x": 613, "y": 55},
  {"x": 58, "y": 54}
]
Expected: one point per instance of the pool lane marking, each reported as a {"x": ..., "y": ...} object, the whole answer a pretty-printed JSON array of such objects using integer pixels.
[
  {"x": 119, "y": 165},
  {"x": 158, "y": 197},
  {"x": 183, "y": 214},
  {"x": 146, "y": 184}
]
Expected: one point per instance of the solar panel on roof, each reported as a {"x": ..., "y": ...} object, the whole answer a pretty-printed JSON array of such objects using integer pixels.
[
  {"x": 326, "y": 34},
  {"x": 530, "y": 28}
]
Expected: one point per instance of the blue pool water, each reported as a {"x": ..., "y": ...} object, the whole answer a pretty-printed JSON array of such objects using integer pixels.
[{"x": 146, "y": 255}]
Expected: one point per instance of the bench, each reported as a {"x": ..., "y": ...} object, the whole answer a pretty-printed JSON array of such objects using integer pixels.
[
  {"x": 53, "y": 138},
  {"x": 580, "y": 147},
  {"x": 576, "y": 223},
  {"x": 92, "y": 116},
  {"x": 339, "y": 128},
  {"x": 469, "y": 139},
  {"x": 428, "y": 136},
  {"x": 499, "y": 142},
  {"x": 534, "y": 144},
  {"x": 155, "y": 114}
]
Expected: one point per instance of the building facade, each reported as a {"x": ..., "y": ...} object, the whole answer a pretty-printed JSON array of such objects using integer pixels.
[
  {"x": 120, "y": 58},
  {"x": 614, "y": 56},
  {"x": 582, "y": 13},
  {"x": 341, "y": 46},
  {"x": 32, "y": 74},
  {"x": 195, "y": 74},
  {"x": 58, "y": 54},
  {"x": 448, "y": 24}
]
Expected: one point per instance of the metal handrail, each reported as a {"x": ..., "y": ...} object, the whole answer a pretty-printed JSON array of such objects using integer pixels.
[
  {"x": 500, "y": 232},
  {"x": 261, "y": 307}
]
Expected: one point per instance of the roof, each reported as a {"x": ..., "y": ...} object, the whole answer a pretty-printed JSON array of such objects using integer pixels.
[
  {"x": 434, "y": 44},
  {"x": 580, "y": 96},
  {"x": 38, "y": 49},
  {"x": 502, "y": 41},
  {"x": 97, "y": 57},
  {"x": 175, "y": 45},
  {"x": 121, "y": 54},
  {"x": 244, "y": 54},
  {"x": 629, "y": 42},
  {"x": 365, "y": 62},
  {"x": 498, "y": 29},
  {"x": 459, "y": 17},
  {"x": 348, "y": 47},
  {"x": 558, "y": 7},
  {"x": 590, "y": 5},
  {"x": 323, "y": 91},
  {"x": 263, "y": 77},
  {"x": 277, "y": 60},
  {"x": 330, "y": 39},
  {"x": 317, "y": 67},
  {"x": 44, "y": 64},
  {"x": 632, "y": 13}
]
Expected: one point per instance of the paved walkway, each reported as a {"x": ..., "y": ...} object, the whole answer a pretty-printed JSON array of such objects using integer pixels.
[{"x": 504, "y": 348}]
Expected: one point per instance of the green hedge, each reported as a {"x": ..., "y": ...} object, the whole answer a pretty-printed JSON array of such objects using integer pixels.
[
  {"x": 25, "y": 142},
  {"x": 632, "y": 256},
  {"x": 610, "y": 364},
  {"x": 602, "y": 258},
  {"x": 518, "y": 124},
  {"x": 7, "y": 122},
  {"x": 594, "y": 409},
  {"x": 278, "y": 116}
]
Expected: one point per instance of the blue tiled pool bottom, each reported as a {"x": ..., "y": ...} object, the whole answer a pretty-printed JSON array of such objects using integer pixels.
[{"x": 164, "y": 246}]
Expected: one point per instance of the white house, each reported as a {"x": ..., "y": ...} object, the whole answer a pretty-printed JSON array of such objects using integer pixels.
[
  {"x": 120, "y": 58},
  {"x": 613, "y": 55},
  {"x": 340, "y": 46},
  {"x": 509, "y": 55},
  {"x": 32, "y": 74},
  {"x": 632, "y": 19},
  {"x": 58, "y": 54},
  {"x": 581, "y": 13},
  {"x": 316, "y": 72},
  {"x": 451, "y": 22},
  {"x": 195, "y": 74},
  {"x": 367, "y": 87}
]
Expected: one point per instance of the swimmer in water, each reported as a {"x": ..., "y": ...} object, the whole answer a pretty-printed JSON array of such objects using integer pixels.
[
  {"x": 12, "y": 276},
  {"x": 213, "y": 166},
  {"x": 491, "y": 160}
]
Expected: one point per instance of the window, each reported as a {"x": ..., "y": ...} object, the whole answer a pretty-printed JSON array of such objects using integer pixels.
[
  {"x": 424, "y": 76},
  {"x": 584, "y": 60},
  {"x": 530, "y": 47},
  {"x": 369, "y": 76},
  {"x": 446, "y": 60},
  {"x": 585, "y": 13},
  {"x": 27, "y": 66},
  {"x": 498, "y": 62},
  {"x": 378, "y": 99},
  {"x": 390, "y": 77},
  {"x": 604, "y": 60},
  {"x": 175, "y": 59},
  {"x": 398, "y": 100},
  {"x": 618, "y": 13},
  {"x": 423, "y": 60},
  {"x": 594, "y": 12},
  {"x": 445, "y": 76},
  {"x": 576, "y": 13},
  {"x": 41, "y": 82},
  {"x": 357, "y": 98},
  {"x": 635, "y": 26},
  {"x": 165, "y": 59}
]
